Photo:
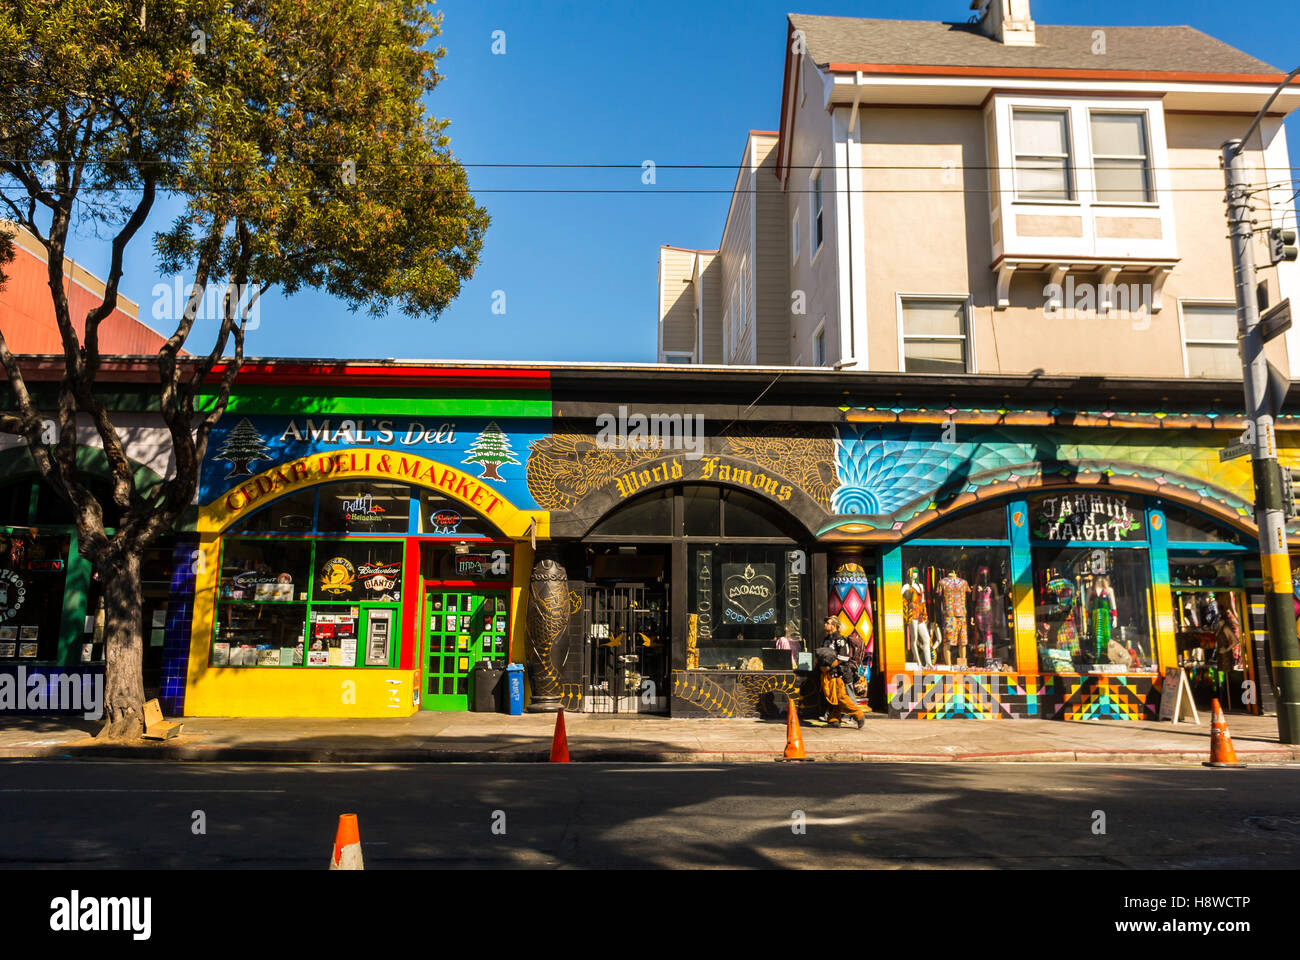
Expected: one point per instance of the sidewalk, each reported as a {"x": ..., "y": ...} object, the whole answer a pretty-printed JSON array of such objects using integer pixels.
[{"x": 473, "y": 737}]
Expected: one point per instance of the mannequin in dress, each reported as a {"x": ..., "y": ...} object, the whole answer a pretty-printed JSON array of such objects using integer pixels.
[
  {"x": 915, "y": 618},
  {"x": 953, "y": 592},
  {"x": 1103, "y": 610},
  {"x": 982, "y": 595}
]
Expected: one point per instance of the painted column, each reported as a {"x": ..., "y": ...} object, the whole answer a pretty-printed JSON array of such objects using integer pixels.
[
  {"x": 894, "y": 655},
  {"x": 548, "y": 619},
  {"x": 1022, "y": 587},
  {"x": 850, "y": 600},
  {"x": 1165, "y": 644},
  {"x": 76, "y": 585}
]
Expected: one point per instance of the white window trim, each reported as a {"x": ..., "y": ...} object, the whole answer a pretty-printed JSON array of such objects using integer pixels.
[
  {"x": 794, "y": 234},
  {"x": 1182, "y": 332},
  {"x": 819, "y": 332},
  {"x": 688, "y": 354},
  {"x": 964, "y": 299},
  {"x": 815, "y": 175}
]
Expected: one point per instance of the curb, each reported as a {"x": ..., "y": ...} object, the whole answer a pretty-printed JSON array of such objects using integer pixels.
[{"x": 236, "y": 754}]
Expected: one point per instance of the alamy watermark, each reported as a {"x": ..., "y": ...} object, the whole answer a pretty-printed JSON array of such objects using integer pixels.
[
  {"x": 1080, "y": 301},
  {"x": 170, "y": 301},
  {"x": 656, "y": 431},
  {"x": 53, "y": 692}
]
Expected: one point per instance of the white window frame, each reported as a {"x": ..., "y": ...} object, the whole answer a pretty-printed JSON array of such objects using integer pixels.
[
  {"x": 968, "y": 335},
  {"x": 816, "y": 191},
  {"x": 819, "y": 334},
  {"x": 1182, "y": 333},
  {"x": 688, "y": 355},
  {"x": 1152, "y": 197},
  {"x": 794, "y": 235},
  {"x": 1071, "y": 179}
]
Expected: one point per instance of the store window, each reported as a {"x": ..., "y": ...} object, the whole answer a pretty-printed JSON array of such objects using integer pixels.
[
  {"x": 986, "y": 523},
  {"x": 364, "y": 506},
  {"x": 750, "y": 605},
  {"x": 958, "y": 607},
  {"x": 352, "y": 571},
  {"x": 1210, "y": 632},
  {"x": 32, "y": 575},
  {"x": 477, "y": 561},
  {"x": 1188, "y": 527},
  {"x": 647, "y": 516},
  {"x": 293, "y": 603},
  {"x": 441, "y": 516},
  {"x": 1092, "y": 610},
  {"x": 295, "y": 513}
]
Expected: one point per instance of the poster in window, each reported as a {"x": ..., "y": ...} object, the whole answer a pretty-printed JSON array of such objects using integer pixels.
[
  {"x": 8, "y": 650},
  {"x": 318, "y": 658},
  {"x": 749, "y": 592}
]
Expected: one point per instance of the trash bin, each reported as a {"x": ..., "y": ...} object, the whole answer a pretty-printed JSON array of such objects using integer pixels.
[
  {"x": 484, "y": 680},
  {"x": 515, "y": 689}
]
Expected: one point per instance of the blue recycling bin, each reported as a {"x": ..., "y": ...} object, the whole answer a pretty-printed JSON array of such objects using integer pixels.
[{"x": 515, "y": 689}]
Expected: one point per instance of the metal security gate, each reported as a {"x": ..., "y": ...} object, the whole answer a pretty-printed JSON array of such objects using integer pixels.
[{"x": 627, "y": 649}]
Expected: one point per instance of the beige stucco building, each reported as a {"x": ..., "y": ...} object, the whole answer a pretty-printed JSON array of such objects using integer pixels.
[{"x": 998, "y": 196}]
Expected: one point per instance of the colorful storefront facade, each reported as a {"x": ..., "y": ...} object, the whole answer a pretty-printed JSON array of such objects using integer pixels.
[{"x": 667, "y": 541}]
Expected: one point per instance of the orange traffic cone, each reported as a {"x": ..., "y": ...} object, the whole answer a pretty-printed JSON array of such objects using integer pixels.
[
  {"x": 560, "y": 742},
  {"x": 1222, "y": 753},
  {"x": 347, "y": 845},
  {"x": 793, "y": 734}
]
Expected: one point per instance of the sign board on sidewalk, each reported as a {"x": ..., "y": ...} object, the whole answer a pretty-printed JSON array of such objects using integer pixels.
[
  {"x": 1276, "y": 321},
  {"x": 1176, "y": 697},
  {"x": 1234, "y": 451}
]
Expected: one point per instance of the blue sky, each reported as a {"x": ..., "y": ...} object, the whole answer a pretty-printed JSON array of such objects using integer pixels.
[{"x": 594, "y": 81}]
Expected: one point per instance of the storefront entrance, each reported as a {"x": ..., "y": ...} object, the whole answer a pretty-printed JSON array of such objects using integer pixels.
[
  {"x": 461, "y": 627},
  {"x": 627, "y": 649}
]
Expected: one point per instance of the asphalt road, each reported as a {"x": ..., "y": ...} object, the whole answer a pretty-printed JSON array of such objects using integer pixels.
[{"x": 986, "y": 815}]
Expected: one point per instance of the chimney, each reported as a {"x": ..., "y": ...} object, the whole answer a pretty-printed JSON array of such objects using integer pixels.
[{"x": 1006, "y": 21}]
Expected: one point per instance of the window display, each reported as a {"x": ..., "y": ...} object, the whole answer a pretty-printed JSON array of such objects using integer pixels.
[
  {"x": 264, "y": 571},
  {"x": 1093, "y": 610},
  {"x": 359, "y": 570},
  {"x": 32, "y": 577},
  {"x": 259, "y": 635},
  {"x": 272, "y": 613},
  {"x": 957, "y": 607},
  {"x": 364, "y": 506},
  {"x": 750, "y": 605}
]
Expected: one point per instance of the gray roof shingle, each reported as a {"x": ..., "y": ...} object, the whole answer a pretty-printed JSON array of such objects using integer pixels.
[{"x": 929, "y": 43}]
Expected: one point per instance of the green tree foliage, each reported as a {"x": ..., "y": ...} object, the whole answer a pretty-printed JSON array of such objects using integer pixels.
[{"x": 296, "y": 137}]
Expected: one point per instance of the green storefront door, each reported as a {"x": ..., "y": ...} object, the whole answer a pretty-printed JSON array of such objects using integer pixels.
[{"x": 460, "y": 629}]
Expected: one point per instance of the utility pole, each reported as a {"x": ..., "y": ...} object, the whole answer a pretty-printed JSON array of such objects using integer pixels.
[{"x": 1261, "y": 407}]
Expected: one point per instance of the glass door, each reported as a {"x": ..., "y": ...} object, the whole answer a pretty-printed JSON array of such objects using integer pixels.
[{"x": 461, "y": 627}]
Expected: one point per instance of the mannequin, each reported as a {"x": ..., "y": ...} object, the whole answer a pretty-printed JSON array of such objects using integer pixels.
[
  {"x": 953, "y": 591},
  {"x": 982, "y": 595},
  {"x": 915, "y": 626},
  {"x": 1104, "y": 613}
]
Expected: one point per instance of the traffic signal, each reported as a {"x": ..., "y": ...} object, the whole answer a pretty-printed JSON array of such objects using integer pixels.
[{"x": 1281, "y": 245}]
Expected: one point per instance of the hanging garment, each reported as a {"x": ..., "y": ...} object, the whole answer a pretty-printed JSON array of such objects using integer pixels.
[
  {"x": 1189, "y": 612},
  {"x": 1102, "y": 611},
  {"x": 954, "y": 591},
  {"x": 983, "y": 603}
]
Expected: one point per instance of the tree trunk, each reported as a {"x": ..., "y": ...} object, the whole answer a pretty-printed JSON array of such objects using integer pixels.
[{"x": 123, "y": 649}]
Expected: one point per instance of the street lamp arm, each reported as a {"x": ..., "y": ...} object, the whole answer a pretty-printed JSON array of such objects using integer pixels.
[{"x": 1264, "y": 109}]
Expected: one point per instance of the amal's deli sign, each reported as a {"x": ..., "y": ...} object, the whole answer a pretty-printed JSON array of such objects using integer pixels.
[{"x": 308, "y": 471}]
